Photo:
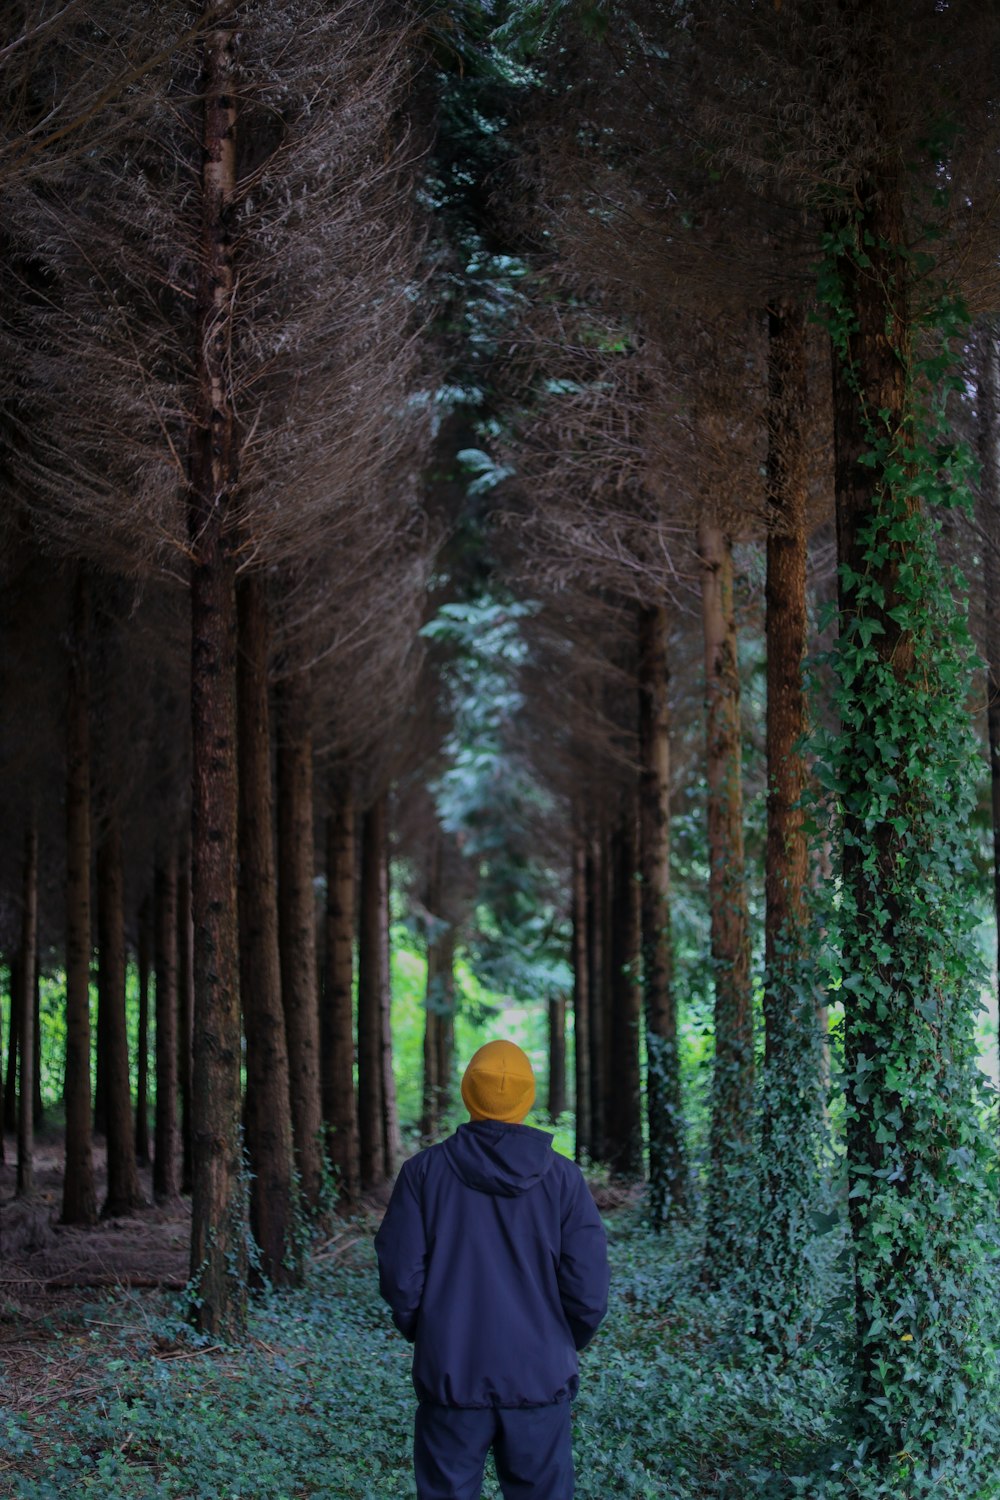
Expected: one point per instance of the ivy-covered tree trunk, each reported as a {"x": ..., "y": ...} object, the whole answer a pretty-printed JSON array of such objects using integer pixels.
[
  {"x": 337, "y": 1017},
  {"x": 267, "y": 1111},
  {"x": 297, "y": 928},
  {"x": 902, "y": 768},
  {"x": 988, "y": 434},
  {"x": 792, "y": 1090},
  {"x": 581, "y": 1002},
  {"x": 218, "y": 1244},
  {"x": 26, "y": 1005},
  {"x": 143, "y": 966},
  {"x": 733, "y": 1077},
  {"x": 79, "y": 1204},
  {"x": 123, "y": 1192},
  {"x": 370, "y": 1077},
  {"x": 664, "y": 1113},
  {"x": 623, "y": 1106}
]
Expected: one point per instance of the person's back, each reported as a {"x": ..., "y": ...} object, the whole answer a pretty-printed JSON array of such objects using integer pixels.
[{"x": 493, "y": 1259}]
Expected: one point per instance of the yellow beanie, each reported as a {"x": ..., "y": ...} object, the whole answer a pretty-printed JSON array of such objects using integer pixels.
[{"x": 499, "y": 1084}]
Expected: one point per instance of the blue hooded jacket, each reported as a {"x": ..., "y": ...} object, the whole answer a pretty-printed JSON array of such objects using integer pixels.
[{"x": 493, "y": 1259}]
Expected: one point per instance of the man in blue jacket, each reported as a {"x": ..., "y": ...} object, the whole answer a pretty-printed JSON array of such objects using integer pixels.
[{"x": 493, "y": 1259}]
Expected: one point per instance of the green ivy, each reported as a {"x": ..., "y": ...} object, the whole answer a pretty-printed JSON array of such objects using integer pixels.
[{"x": 921, "y": 1166}]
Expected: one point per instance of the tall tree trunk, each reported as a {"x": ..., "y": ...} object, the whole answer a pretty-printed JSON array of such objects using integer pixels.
[
  {"x": 185, "y": 1011},
  {"x": 123, "y": 1193},
  {"x": 581, "y": 1001},
  {"x": 557, "y": 1056},
  {"x": 439, "y": 999},
  {"x": 101, "y": 1057},
  {"x": 624, "y": 1108},
  {"x": 166, "y": 1154},
  {"x": 597, "y": 971},
  {"x": 297, "y": 928},
  {"x": 667, "y": 1166},
  {"x": 370, "y": 1076},
  {"x": 988, "y": 407},
  {"x": 793, "y": 1084},
  {"x": 732, "y": 1087},
  {"x": 337, "y": 1031},
  {"x": 79, "y": 1204},
  {"x": 218, "y": 1255},
  {"x": 10, "y": 1091},
  {"x": 392, "y": 1144},
  {"x": 38, "y": 1109},
  {"x": 267, "y": 1116},
  {"x": 143, "y": 966},
  {"x": 29, "y": 966}
]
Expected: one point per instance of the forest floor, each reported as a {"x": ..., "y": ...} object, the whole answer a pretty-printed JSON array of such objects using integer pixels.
[{"x": 104, "y": 1391}]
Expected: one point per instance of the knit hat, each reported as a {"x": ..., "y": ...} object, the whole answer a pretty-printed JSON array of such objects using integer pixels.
[{"x": 499, "y": 1084}]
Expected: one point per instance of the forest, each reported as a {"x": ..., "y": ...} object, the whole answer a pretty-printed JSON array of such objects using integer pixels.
[{"x": 501, "y": 538}]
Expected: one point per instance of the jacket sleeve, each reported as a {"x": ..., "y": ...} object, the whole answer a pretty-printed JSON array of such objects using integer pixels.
[
  {"x": 401, "y": 1247},
  {"x": 583, "y": 1272}
]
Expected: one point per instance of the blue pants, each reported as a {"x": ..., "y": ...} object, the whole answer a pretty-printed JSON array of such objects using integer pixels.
[{"x": 532, "y": 1448}]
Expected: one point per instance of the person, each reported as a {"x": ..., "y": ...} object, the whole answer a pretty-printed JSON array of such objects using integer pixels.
[{"x": 493, "y": 1259}]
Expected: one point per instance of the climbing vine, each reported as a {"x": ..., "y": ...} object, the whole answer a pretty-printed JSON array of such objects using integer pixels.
[{"x": 902, "y": 771}]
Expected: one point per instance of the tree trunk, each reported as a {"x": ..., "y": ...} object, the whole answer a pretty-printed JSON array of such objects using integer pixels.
[
  {"x": 143, "y": 965},
  {"x": 624, "y": 1106},
  {"x": 166, "y": 1155},
  {"x": 123, "y": 1193},
  {"x": 557, "y": 1057},
  {"x": 439, "y": 999},
  {"x": 597, "y": 971},
  {"x": 297, "y": 928},
  {"x": 667, "y": 1167},
  {"x": 38, "y": 1108},
  {"x": 581, "y": 1002},
  {"x": 218, "y": 1253},
  {"x": 732, "y": 1085},
  {"x": 988, "y": 406},
  {"x": 3, "y": 1149},
  {"x": 370, "y": 1076},
  {"x": 392, "y": 1144},
  {"x": 337, "y": 1031},
  {"x": 793, "y": 1084},
  {"x": 26, "y": 1019},
  {"x": 185, "y": 1012},
  {"x": 79, "y": 1204},
  {"x": 267, "y": 1115},
  {"x": 10, "y": 1091}
]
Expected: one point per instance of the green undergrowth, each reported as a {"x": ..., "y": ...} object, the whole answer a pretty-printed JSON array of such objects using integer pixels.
[{"x": 673, "y": 1403}]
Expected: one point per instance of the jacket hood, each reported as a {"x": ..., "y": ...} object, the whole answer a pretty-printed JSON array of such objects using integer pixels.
[{"x": 502, "y": 1159}]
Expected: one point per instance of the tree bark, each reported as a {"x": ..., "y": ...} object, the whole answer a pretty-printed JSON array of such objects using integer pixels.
[
  {"x": 26, "y": 1020},
  {"x": 370, "y": 1078},
  {"x": 581, "y": 1001},
  {"x": 392, "y": 1144},
  {"x": 664, "y": 1112},
  {"x": 297, "y": 928},
  {"x": 79, "y": 1204},
  {"x": 123, "y": 1192},
  {"x": 624, "y": 1108},
  {"x": 218, "y": 1254},
  {"x": 267, "y": 1114},
  {"x": 733, "y": 1078},
  {"x": 10, "y": 1092},
  {"x": 143, "y": 965},
  {"x": 166, "y": 1154},
  {"x": 337, "y": 1031},
  {"x": 439, "y": 999}
]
